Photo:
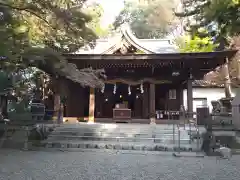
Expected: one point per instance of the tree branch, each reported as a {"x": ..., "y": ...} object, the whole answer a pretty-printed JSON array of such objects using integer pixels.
[{"x": 27, "y": 10}]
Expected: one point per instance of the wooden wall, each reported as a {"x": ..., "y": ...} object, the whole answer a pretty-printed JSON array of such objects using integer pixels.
[
  {"x": 163, "y": 102},
  {"x": 75, "y": 100}
]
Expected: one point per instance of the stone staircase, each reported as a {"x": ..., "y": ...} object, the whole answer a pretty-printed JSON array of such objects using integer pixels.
[{"x": 122, "y": 137}]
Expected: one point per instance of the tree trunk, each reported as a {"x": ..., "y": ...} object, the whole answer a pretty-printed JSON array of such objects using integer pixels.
[
  {"x": 235, "y": 44},
  {"x": 228, "y": 90},
  {"x": 238, "y": 65},
  {"x": 3, "y": 106},
  {"x": 227, "y": 81}
]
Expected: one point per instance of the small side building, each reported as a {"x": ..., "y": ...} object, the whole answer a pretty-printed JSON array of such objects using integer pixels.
[{"x": 204, "y": 92}]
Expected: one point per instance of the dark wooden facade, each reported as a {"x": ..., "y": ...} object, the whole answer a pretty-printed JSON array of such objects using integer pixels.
[{"x": 159, "y": 74}]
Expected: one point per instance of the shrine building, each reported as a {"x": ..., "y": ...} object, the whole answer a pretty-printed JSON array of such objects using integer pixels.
[{"x": 144, "y": 77}]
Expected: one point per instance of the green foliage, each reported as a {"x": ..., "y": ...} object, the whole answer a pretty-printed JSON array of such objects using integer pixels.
[
  {"x": 139, "y": 52},
  {"x": 223, "y": 13},
  {"x": 227, "y": 14},
  {"x": 60, "y": 23},
  {"x": 35, "y": 34},
  {"x": 96, "y": 11},
  {"x": 26, "y": 24},
  {"x": 148, "y": 21},
  {"x": 21, "y": 84},
  {"x": 195, "y": 44}
]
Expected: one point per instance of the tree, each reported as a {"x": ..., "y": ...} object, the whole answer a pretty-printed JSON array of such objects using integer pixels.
[
  {"x": 195, "y": 44},
  {"x": 218, "y": 76},
  {"x": 219, "y": 16},
  {"x": 37, "y": 32},
  {"x": 57, "y": 23},
  {"x": 148, "y": 21}
]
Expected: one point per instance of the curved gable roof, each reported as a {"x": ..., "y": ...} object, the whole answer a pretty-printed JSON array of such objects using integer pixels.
[{"x": 127, "y": 38}]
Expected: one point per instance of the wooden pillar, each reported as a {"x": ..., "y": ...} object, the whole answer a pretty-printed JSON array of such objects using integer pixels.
[
  {"x": 56, "y": 97},
  {"x": 152, "y": 110},
  {"x": 190, "y": 97},
  {"x": 65, "y": 92},
  {"x": 91, "y": 105},
  {"x": 145, "y": 103}
]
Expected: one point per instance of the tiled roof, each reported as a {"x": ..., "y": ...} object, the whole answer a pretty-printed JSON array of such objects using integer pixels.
[
  {"x": 149, "y": 46},
  {"x": 146, "y": 45},
  {"x": 159, "y": 45}
]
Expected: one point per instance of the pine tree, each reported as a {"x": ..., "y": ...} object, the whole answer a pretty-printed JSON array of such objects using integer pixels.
[{"x": 220, "y": 17}]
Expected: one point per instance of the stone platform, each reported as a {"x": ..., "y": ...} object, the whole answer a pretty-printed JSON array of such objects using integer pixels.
[{"x": 144, "y": 137}]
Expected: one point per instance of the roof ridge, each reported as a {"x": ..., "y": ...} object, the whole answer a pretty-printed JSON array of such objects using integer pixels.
[
  {"x": 154, "y": 39},
  {"x": 148, "y": 46},
  {"x": 127, "y": 33}
]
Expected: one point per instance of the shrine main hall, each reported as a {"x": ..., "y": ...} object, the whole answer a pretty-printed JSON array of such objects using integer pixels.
[{"x": 143, "y": 77}]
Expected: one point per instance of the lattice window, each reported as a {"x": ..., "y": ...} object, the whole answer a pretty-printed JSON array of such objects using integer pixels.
[{"x": 172, "y": 94}]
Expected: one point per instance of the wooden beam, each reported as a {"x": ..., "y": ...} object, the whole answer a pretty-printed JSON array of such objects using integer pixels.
[{"x": 159, "y": 57}]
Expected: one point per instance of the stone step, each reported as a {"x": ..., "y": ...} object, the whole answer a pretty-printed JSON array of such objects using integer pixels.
[
  {"x": 129, "y": 136},
  {"x": 168, "y": 139},
  {"x": 122, "y": 126},
  {"x": 124, "y": 136},
  {"x": 115, "y": 126},
  {"x": 120, "y": 146},
  {"x": 119, "y": 130},
  {"x": 121, "y": 135},
  {"x": 87, "y": 133},
  {"x": 114, "y": 134},
  {"x": 158, "y": 129},
  {"x": 125, "y": 126}
]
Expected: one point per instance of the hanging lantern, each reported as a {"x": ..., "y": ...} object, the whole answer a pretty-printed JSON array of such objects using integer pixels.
[
  {"x": 114, "y": 89},
  {"x": 103, "y": 88},
  {"x": 129, "y": 90},
  {"x": 141, "y": 88}
]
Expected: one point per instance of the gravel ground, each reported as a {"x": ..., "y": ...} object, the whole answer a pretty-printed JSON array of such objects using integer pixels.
[{"x": 113, "y": 165}]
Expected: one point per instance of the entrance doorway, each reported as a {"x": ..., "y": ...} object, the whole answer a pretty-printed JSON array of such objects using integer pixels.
[
  {"x": 122, "y": 96},
  {"x": 131, "y": 96},
  {"x": 107, "y": 100},
  {"x": 161, "y": 97}
]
